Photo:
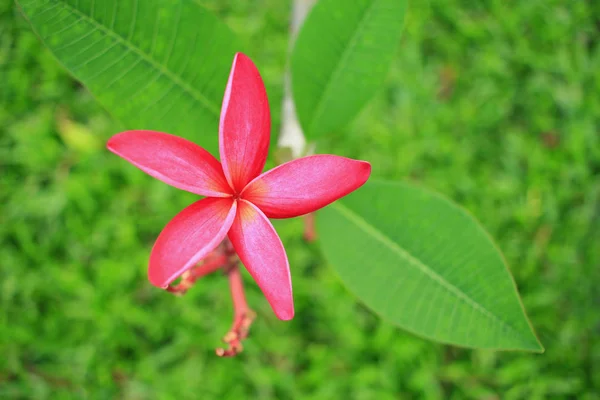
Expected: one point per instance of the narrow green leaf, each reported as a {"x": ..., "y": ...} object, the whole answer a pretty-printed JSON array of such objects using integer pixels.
[
  {"x": 341, "y": 58},
  {"x": 159, "y": 64},
  {"x": 426, "y": 265}
]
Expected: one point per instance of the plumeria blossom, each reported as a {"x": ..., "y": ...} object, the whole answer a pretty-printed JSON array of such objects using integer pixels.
[{"x": 239, "y": 198}]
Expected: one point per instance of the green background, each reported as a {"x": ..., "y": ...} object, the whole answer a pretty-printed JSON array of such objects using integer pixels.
[{"x": 495, "y": 104}]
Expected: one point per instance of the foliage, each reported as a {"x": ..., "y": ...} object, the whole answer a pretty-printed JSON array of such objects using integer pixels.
[
  {"x": 492, "y": 104},
  {"x": 420, "y": 261},
  {"x": 341, "y": 58}
]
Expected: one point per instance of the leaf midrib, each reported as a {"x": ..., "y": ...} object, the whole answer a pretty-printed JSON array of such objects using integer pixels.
[
  {"x": 362, "y": 223},
  {"x": 163, "y": 69},
  {"x": 338, "y": 68}
]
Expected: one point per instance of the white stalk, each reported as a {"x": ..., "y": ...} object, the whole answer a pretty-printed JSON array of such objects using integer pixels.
[{"x": 291, "y": 135}]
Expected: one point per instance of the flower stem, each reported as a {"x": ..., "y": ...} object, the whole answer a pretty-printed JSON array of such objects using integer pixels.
[
  {"x": 225, "y": 258},
  {"x": 310, "y": 234},
  {"x": 189, "y": 277},
  {"x": 243, "y": 316},
  {"x": 291, "y": 135}
]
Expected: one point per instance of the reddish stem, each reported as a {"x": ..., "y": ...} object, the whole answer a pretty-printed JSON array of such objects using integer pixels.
[
  {"x": 189, "y": 277},
  {"x": 223, "y": 257},
  {"x": 310, "y": 235},
  {"x": 243, "y": 316},
  {"x": 236, "y": 286}
]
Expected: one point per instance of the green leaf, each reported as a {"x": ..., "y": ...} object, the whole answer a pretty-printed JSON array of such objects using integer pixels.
[
  {"x": 426, "y": 265},
  {"x": 341, "y": 58},
  {"x": 159, "y": 64}
]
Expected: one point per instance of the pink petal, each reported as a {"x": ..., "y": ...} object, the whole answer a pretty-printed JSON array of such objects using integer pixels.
[
  {"x": 173, "y": 160},
  {"x": 189, "y": 237},
  {"x": 245, "y": 128},
  {"x": 260, "y": 249},
  {"x": 304, "y": 185}
]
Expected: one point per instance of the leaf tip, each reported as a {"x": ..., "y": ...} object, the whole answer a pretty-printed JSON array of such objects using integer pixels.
[
  {"x": 539, "y": 348},
  {"x": 533, "y": 344}
]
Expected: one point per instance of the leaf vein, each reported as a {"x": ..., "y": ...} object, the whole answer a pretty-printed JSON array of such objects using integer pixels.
[
  {"x": 202, "y": 99},
  {"x": 364, "y": 225},
  {"x": 340, "y": 66}
]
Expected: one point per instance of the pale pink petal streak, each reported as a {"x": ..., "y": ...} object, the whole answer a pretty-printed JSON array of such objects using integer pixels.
[
  {"x": 189, "y": 237},
  {"x": 245, "y": 126},
  {"x": 257, "y": 244},
  {"x": 173, "y": 160},
  {"x": 304, "y": 185}
]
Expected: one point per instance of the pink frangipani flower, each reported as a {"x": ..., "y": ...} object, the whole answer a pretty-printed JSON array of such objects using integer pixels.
[{"x": 239, "y": 198}]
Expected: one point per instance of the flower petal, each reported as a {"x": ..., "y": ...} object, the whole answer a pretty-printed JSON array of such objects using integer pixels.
[
  {"x": 173, "y": 160},
  {"x": 245, "y": 127},
  {"x": 304, "y": 185},
  {"x": 260, "y": 249},
  {"x": 189, "y": 237}
]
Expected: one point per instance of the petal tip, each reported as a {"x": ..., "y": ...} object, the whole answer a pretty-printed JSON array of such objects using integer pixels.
[
  {"x": 366, "y": 166},
  {"x": 240, "y": 55},
  {"x": 157, "y": 276},
  {"x": 157, "y": 279},
  {"x": 113, "y": 142},
  {"x": 120, "y": 138},
  {"x": 285, "y": 315}
]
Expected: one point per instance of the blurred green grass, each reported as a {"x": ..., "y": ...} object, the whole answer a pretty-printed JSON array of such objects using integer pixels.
[{"x": 494, "y": 103}]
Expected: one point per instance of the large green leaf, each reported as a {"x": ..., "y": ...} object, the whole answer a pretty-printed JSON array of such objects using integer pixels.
[
  {"x": 341, "y": 58},
  {"x": 425, "y": 264},
  {"x": 159, "y": 64}
]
